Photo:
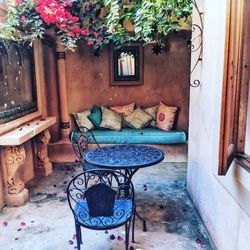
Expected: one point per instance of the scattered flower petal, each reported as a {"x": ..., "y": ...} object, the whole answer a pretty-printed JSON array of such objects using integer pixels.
[
  {"x": 203, "y": 245},
  {"x": 65, "y": 191},
  {"x": 198, "y": 240},
  {"x": 184, "y": 210},
  {"x": 112, "y": 237},
  {"x": 23, "y": 224},
  {"x": 19, "y": 229},
  {"x": 74, "y": 236},
  {"x": 120, "y": 238}
]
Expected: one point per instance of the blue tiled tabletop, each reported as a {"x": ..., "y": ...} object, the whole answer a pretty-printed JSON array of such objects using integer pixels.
[{"x": 124, "y": 156}]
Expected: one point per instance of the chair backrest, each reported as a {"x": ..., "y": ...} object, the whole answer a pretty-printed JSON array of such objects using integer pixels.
[
  {"x": 104, "y": 195},
  {"x": 80, "y": 141}
]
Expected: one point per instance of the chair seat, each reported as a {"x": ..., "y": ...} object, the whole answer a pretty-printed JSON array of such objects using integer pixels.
[
  {"x": 88, "y": 166},
  {"x": 122, "y": 212}
]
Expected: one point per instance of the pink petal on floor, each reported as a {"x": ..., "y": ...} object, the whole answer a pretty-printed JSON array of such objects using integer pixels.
[
  {"x": 5, "y": 224},
  {"x": 198, "y": 240},
  {"x": 71, "y": 242},
  {"x": 74, "y": 237},
  {"x": 23, "y": 224},
  {"x": 19, "y": 229},
  {"x": 112, "y": 237},
  {"x": 203, "y": 245},
  {"x": 119, "y": 238},
  {"x": 65, "y": 191}
]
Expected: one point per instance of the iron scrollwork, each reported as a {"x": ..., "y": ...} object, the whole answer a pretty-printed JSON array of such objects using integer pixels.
[{"x": 196, "y": 47}]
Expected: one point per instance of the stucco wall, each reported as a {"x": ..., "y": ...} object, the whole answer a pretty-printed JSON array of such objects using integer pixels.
[
  {"x": 223, "y": 202},
  {"x": 165, "y": 79}
]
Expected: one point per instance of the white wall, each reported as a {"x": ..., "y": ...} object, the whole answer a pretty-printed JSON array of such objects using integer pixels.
[{"x": 223, "y": 202}]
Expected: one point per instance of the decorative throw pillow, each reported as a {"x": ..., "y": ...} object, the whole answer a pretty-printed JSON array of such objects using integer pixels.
[
  {"x": 153, "y": 112},
  {"x": 96, "y": 115},
  {"x": 82, "y": 120},
  {"x": 125, "y": 110},
  {"x": 111, "y": 119},
  {"x": 139, "y": 119},
  {"x": 165, "y": 117}
]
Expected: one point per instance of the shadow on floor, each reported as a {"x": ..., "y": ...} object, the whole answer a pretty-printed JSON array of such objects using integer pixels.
[{"x": 46, "y": 223}]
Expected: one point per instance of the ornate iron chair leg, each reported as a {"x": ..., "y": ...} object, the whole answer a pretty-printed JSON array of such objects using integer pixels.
[
  {"x": 78, "y": 236},
  {"x": 127, "y": 230},
  {"x": 133, "y": 228}
]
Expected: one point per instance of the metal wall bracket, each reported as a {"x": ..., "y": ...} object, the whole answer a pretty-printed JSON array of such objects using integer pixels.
[{"x": 196, "y": 46}]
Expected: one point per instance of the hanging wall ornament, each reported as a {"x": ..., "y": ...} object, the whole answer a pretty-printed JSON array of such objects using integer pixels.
[{"x": 157, "y": 49}]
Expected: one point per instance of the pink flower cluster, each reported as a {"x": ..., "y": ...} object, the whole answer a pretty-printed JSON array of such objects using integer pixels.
[{"x": 55, "y": 12}]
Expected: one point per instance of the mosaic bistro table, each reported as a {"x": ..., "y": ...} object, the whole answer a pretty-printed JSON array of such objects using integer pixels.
[{"x": 127, "y": 157}]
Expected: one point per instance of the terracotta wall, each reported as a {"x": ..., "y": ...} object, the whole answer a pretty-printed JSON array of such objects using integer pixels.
[{"x": 165, "y": 79}]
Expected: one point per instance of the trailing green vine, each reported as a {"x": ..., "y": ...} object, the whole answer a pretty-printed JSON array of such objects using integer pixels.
[{"x": 98, "y": 22}]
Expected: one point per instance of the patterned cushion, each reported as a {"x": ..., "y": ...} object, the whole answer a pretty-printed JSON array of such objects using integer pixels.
[
  {"x": 165, "y": 117},
  {"x": 139, "y": 119},
  {"x": 152, "y": 111},
  {"x": 81, "y": 119},
  {"x": 96, "y": 116},
  {"x": 125, "y": 110},
  {"x": 111, "y": 119}
]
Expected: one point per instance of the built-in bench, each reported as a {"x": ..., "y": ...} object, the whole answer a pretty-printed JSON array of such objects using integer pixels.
[{"x": 128, "y": 135}]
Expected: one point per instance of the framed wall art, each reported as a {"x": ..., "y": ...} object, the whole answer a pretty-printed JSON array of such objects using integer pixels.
[{"x": 126, "y": 65}]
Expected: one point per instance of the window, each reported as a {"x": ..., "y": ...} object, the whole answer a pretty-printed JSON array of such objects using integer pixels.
[
  {"x": 21, "y": 84},
  {"x": 235, "y": 85}
]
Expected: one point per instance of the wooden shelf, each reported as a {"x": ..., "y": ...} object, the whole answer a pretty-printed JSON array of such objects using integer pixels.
[{"x": 25, "y": 132}]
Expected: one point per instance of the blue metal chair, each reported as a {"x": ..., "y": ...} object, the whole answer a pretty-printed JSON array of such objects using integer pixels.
[
  {"x": 101, "y": 200},
  {"x": 80, "y": 146}
]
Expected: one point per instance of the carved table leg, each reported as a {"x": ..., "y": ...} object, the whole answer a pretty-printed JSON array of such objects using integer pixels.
[
  {"x": 43, "y": 166},
  {"x": 15, "y": 193}
]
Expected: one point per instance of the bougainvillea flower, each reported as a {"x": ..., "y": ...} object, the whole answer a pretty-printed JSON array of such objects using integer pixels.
[
  {"x": 90, "y": 43},
  {"x": 95, "y": 34},
  {"x": 85, "y": 32},
  {"x": 18, "y": 2},
  {"x": 76, "y": 28},
  {"x": 23, "y": 19}
]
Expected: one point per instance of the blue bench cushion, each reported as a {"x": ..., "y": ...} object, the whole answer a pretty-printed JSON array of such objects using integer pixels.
[{"x": 144, "y": 136}]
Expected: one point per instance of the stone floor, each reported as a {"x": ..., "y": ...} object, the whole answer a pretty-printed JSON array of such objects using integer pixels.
[{"x": 46, "y": 223}]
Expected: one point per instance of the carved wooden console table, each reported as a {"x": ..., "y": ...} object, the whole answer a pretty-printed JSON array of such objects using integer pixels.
[{"x": 13, "y": 157}]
